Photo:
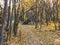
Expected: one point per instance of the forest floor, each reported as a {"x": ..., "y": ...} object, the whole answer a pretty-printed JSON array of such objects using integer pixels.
[{"x": 27, "y": 35}]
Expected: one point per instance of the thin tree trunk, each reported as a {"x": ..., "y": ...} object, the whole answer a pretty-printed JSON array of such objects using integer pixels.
[{"x": 4, "y": 21}]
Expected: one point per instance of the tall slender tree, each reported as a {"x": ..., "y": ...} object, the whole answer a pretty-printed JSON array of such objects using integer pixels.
[{"x": 4, "y": 21}]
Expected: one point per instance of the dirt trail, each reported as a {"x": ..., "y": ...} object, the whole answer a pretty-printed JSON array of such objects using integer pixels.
[{"x": 27, "y": 35}]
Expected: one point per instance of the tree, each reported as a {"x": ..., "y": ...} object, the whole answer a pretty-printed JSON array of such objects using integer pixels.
[
  {"x": 15, "y": 17},
  {"x": 4, "y": 22}
]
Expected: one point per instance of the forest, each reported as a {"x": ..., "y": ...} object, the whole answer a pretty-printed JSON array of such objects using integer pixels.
[{"x": 41, "y": 15}]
